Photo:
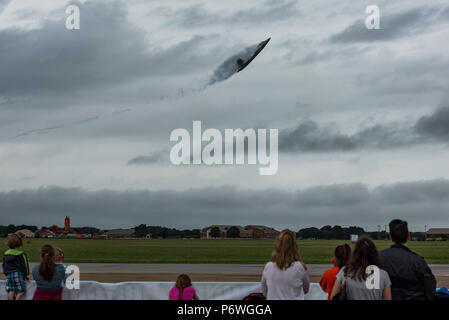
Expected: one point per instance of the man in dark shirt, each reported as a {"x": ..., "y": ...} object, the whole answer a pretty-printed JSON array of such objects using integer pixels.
[{"x": 411, "y": 277}]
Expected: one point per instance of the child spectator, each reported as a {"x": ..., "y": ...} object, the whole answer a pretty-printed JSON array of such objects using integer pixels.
[
  {"x": 352, "y": 278},
  {"x": 58, "y": 259},
  {"x": 49, "y": 276},
  {"x": 183, "y": 289},
  {"x": 341, "y": 257},
  {"x": 16, "y": 268}
]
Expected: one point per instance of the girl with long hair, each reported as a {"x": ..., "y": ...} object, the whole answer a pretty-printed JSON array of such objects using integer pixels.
[
  {"x": 285, "y": 277},
  {"x": 362, "y": 278},
  {"x": 342, "y": 253},
  {"x": 49, "y": 275},
  {"x": 183, "y": 289}
]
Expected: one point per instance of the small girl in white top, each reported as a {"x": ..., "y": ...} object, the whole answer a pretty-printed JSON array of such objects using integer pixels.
[{"x": 285, "y": 277}]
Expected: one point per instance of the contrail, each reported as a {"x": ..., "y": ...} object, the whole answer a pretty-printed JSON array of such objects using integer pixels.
[
  {"x": 80, "y": 122},
  {"x": 229, "y": 67}
]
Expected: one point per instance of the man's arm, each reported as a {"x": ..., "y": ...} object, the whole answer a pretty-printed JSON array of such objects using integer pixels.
[
  {"x": 429, "y": 282},
  {"x": 336, "y": 289}
]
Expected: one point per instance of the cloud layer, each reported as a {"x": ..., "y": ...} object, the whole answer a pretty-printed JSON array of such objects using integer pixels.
[
  {"x": 85, "y": 111},
  {"x": 333, "y": 204}
]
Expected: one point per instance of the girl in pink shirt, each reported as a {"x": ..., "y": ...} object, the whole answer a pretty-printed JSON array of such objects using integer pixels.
[{"x": 183, "y": 289}]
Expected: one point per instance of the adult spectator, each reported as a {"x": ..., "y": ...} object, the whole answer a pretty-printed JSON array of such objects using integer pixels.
[
  {"x": 353, "y": 278},
  {"x": 285, "y": 277},
  {"x": 410, "y": 275}
]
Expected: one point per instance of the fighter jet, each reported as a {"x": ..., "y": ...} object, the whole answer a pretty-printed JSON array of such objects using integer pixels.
[{"x": 241, "y": 63}]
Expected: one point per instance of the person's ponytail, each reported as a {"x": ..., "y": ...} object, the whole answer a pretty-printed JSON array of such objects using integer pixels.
[
  {"x": 47, "y": 265},
  {"x": 183, "y": 281}
]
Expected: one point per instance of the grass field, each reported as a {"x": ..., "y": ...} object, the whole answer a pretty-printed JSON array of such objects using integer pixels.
[{"x": 205, "y": 251}]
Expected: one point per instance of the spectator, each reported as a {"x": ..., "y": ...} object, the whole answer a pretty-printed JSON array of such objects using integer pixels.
[
  {"x": 48, "y": 275},
  {"x": 285, "y": 277},
  {"x": 183, "y": 289},
  {"x": 341, "y": 257},
  {"x": 58, "y": 259},
  {"x": 16, "y": 268},
  {"x": 354, "y": 276},
  {"x": 410, "y": 275}
]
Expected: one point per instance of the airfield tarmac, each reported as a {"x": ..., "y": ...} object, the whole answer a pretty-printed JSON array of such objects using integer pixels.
[{"x": 118, "y": 272}]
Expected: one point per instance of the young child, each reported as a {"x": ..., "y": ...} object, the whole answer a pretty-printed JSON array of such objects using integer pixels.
[
  {"x": 16, "y": 268},
  {"x": 341, "y": 257},
  {"x": 58, "y": 259},
  {"x": 49, "y": 276},
  {"x": 183, "y": 289}
]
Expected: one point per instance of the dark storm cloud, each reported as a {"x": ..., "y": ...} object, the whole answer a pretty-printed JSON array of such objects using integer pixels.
[
  {"x": 268, "y": 12},
  {"x": 156, "y": 157},
  {"x": 345, "y": 204},
  {"x": 435, "y": 125},
  {"x": 391, "y": 26},
  {"x": 106, "y": 51},
  {"x": 309, "y": 136}
]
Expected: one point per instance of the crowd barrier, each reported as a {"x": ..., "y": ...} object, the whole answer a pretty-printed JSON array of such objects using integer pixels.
[{"x": 92, "y": 290}]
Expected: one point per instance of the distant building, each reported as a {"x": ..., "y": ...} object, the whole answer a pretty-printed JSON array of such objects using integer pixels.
[
  {"x": 205, "y": 233},
  {"x": 25, "y": 233},
  {"x": 248, "y": 232},
  {"x": 67, "y": 228},
  {"x": 44, "y": 233},
  {"x": 437, "y": 234},
  {"x": 262, "y": 232},
  {"x": 120, "y": 233}
]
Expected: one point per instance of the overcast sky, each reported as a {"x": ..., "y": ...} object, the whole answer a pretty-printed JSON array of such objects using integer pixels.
[{"x": 86, "y": 115}]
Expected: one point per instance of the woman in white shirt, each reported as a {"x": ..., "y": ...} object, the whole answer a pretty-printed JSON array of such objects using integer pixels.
[{"x": 285, "y": 277}]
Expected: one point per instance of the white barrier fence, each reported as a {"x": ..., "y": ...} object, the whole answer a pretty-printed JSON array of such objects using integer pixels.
[{"x": 92, "y": 290}]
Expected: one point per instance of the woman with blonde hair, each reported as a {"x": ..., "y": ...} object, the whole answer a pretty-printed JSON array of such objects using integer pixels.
[{"x": 285, "y": 277}]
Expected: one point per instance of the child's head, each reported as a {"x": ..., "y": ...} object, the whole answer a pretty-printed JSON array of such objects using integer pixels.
[
  {"x": 342, "y": 254},
  {"x": 13, "y": 241},
  {"x": 47, "y": 265},
  {"x": 59, "y": 255},
  {"x": 183, "y": 281}
]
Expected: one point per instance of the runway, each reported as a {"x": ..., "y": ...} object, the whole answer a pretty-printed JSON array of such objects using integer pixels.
[{"x": 218, "y": 269}]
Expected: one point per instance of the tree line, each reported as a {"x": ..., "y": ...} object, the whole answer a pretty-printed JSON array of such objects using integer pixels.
[
  {"x": 344, "y": 233},
  {"x": 142, "y": 230},
  {"x": 5, "y": 230}
]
